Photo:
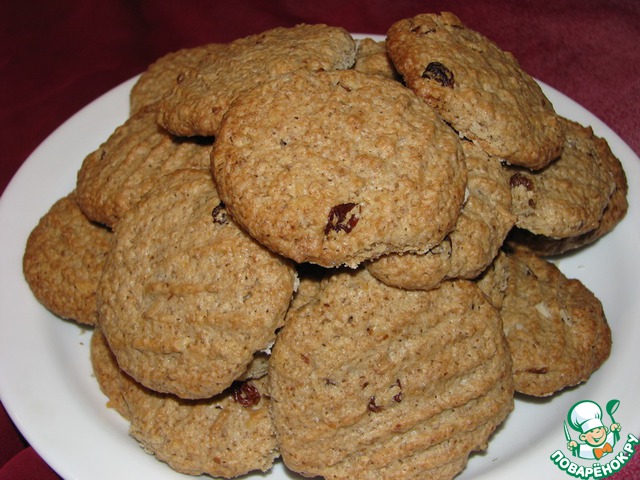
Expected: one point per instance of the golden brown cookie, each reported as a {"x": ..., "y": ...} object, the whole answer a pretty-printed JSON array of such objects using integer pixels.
[
  {"x": 567, "y": 198},
  {"x": 370, "y": 381},
  {"x": 483, "y": 224},
  {"x": 162, "y": 75},
  {"x": 197, "y": 103},
  {"x": 187, "y": 298},
  {"x": 556, "y": 328},
  {"x": 63, "y": 261},
  {"x": 613, "y": 213},
  {"x": 338, "y": 167},
  {"x": 136, "y": 155},
  {"x": 477, "y": 87},
  {"x": 225, "y": 436}
]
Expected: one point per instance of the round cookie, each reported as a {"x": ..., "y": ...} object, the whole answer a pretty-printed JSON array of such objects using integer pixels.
[
  {"x": 187, "y": 298},
  {"x": 338, "y": 167},
  {"x": 162, "y": 75},
  {"x": 63, "y": 261},
  {"x": 369, "y": 381},
  {"x": 568, "y": 197},
  {"x": 477, "y": 87},
  {"x": 556, "y": 328},
  {"x": 613, "y": 213},
  {"x": 484, "y": 222},
  {"x": 225, "y": 436},
  {"x": 132, "y": 160},
  {"x": 202, "y": 95}
]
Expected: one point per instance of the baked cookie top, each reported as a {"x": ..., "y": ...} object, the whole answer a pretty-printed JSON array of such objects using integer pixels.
[
  {"x": 338, "y": 167},
  {"x": 613, "y": 213},
  {"x": 224, "y": 436},
  {"x": 477, "y": 87},
  {"x": 187, "y": 298},
  {"x": 370, "y": 381},
  {"x": 115, "y": 176},
  {"x": 484, "y": 222},
  {"x": 202, "y": 95},
  {"x": 556, "y": 328},
  {"x": 162, "y": 75},
  {"x": 63, "y": 261},
  {"x": 568, "y": 197}
]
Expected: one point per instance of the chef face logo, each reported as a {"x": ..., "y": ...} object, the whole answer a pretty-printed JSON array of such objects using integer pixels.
[{"x": 593, "y": 441}]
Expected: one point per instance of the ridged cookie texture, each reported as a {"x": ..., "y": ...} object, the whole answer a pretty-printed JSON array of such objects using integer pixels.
[
  {"x": 224, "y": 436},
  {"x": 569, "y": 196},
  {"x": 162, "y": 75},
  {"x": 484, "y": 222},
  {"x": 130, "y": 162},
  {"x": 556, "y": 328},
  {"x": 477, "y": 87},
  {"x": 63, "y": 261},
  {"x": 372, "y": 58},
  {"x": 339, "y": 167},
  {"x": 202, "y": 95},
  {"x": 187, "y": 298},
  {"x": 369, "y": 381}
]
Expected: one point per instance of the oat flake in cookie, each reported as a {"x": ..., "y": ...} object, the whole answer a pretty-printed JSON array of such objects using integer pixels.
[
  {"x": 477, "y": 87},
  {"x": 187, "y": 297},
  {"x": 339, "y": 167},
  {"x": 370, "y": 381}
]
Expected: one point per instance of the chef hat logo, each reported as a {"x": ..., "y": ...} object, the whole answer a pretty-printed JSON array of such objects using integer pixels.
[{"x": 585, "y": 416}]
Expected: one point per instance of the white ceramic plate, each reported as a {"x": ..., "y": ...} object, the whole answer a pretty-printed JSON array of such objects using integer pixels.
[{"x": 46, "y": 383}]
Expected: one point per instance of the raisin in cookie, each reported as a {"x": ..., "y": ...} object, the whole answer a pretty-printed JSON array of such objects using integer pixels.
[
  {"x": 477, "y": 87},
  {"x": 224, "y": 436},
  {"x": 63, "y": 261},
  {"x": 556, "y": 328},
  {"x": 187, "y": 298},
  {"x": 483, "y": 224},
  {"x": 371, "y": 381},
  {"x": 339, "y": 167},
  {"x": 202, "y": 95},
  {"x": 132, "y": 160},
  {"x": 162, "y": 75},
  {"x": 568, "y": 197}
]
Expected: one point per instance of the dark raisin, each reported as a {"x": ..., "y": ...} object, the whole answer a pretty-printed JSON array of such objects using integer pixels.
[
  {"x": 398, "y": 396},
  {"x": 339, "y": 218},
  {"x": 372, "y": 407},
  {"x": 438, "y": 72},
  {"x": 519, "y": 179},
  {"x": 539, "y": 371},
  {"x": 219, "y": 214},
  {"x": 246, "y": 395}
]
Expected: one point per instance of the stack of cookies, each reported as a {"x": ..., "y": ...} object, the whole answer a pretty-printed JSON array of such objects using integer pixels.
[{"x": 331, "y": 251}]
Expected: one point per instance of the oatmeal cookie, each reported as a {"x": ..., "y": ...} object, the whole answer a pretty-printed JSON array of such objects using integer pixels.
[
  {"x": 556, "y": 328},
  {"x": 224, "y": 436},
  {"x": 361, "y": 168},
  {"x": 137, "y": 154},
  {"x": 63, "y": 261},
  {"x": 372, "y": 58},
  {"x": 202, "y": 95},
  {"x": 568, "y": 197},
  {"x": 162, "y": 75},
  {"x": 477, "y": 87},
  {"x": 613, "y": 213},
  {"x": 187, "y": 298},
  {"x": 370, "y": 381},
  {"x": 483, "y": 224}
]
